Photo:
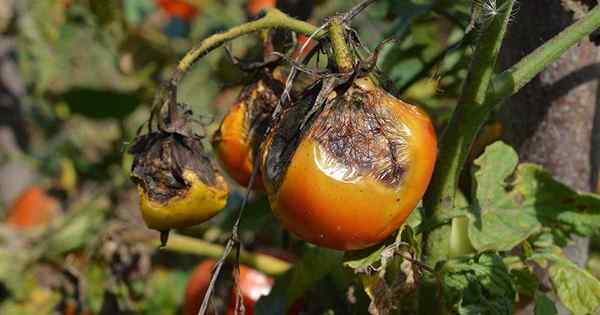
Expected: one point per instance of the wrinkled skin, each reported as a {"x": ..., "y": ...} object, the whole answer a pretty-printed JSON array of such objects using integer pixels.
[
  {"x": 178, "y": 185},
  {"x": 350, "y": 175}
]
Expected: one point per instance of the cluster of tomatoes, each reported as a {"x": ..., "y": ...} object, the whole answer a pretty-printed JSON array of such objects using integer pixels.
[
  {"x": 342, "y": 171},
  {"x": 343, "y": 167}
]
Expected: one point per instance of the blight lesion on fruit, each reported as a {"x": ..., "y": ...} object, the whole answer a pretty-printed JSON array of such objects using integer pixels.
[
  {"x": 160, "y": 161},
  {"x": 364, "y": 136}
]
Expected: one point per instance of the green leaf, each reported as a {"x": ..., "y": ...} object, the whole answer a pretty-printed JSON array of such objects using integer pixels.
[
  {"x": 498, "y": 223},
  {"x": 507, "y": 208},
  {"x": 543, "y": 305},
  {"x": 478, "y": 285},
  {"x": 577, "y": 289},
  {"x": 315, "y": 264}
]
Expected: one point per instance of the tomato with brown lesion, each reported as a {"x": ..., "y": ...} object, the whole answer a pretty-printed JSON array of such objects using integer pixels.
[{"x": 350, "y": 175}]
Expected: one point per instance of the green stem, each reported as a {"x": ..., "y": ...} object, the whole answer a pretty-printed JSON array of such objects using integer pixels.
[
  {"x": 469, "y": 115},
  {"x": 513, "y": 79},
  {"x": 265, "y": 263},
  {"x": 337, "y": 35},
  {"x": 273, "y": 19}
]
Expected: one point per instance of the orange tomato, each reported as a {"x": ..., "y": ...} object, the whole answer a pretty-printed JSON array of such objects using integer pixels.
[
  {"x": 33, "y": 208},
  {"x": 355, "y": 175},
  {"x": 242, "y": 130}
]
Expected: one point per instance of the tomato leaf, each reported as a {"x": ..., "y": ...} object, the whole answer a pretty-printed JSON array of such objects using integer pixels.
[
  {"x": 507, "y": 209},
  {"x": 315, "y": 264},
  {"x": 577, "y": 289},
  {"x": 543, "y": 305},
  {"x": 478, "y": 285}
]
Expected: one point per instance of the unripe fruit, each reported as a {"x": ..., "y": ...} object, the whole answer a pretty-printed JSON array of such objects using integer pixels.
[{"x": 349, "y": 175}]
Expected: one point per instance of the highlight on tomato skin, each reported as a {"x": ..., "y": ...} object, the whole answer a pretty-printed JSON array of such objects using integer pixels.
[
  {"x": 355, "y": 173},
  {"x": 33, "y": 208}
]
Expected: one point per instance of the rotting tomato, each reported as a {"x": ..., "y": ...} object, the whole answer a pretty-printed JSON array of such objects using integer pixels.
[
  {"x": 348, "y": 175},
  {"x": 253, "y": 284},
  {"x": 177, "y": 182},
  {"x": 33, "y": 208},
  {"x": 242, "y": 130}
]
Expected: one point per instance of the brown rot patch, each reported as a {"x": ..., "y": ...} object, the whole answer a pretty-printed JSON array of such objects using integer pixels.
[
  {"x": 160, "y": 158},
  {"x": 360, "y": 132},
  {"x": 261, "y": 98}
]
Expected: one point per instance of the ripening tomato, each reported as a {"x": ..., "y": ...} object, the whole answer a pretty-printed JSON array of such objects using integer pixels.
[
  {"x": 242, "y": 130},
  {"x": 349, "y": 176},
  {"x": 253, "y": 284},
  {"x": 179, "y": 8},
  {"x": 32, "y": 208},
  {"x": 255, "y": 6}
]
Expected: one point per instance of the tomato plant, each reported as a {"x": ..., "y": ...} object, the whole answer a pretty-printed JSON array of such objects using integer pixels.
[{"x": 393, "y": 149}]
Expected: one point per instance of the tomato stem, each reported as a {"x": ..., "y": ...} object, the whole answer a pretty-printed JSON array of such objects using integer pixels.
[
  {"x": 467, "y": 119},
  {"x": 189, "y": 245},
  {"x": 273, "y": 19},
  {"x": 337, "y": 35}
]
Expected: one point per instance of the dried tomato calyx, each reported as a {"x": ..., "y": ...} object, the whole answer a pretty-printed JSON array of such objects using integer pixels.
[{"x": 161, "y": 159}]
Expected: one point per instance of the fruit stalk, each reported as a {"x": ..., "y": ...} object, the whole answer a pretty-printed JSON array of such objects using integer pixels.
[
  {"x": 337, "y": 35},
  {"x": 273, "y": 19}
]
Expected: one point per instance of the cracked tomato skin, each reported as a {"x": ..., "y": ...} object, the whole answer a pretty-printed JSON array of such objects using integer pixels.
[{"x": 322, "y": 201}]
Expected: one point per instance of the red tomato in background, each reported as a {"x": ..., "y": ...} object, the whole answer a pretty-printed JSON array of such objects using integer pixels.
[
  {"x": 178, "y": 8},
  {"x": 253, "y": 284},
  {"x": 255, "y": 6},
  {"x": 33, "y": 208}
]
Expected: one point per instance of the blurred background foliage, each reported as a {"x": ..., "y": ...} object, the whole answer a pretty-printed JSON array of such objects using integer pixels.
[{"x": 77, "y": 78}]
